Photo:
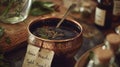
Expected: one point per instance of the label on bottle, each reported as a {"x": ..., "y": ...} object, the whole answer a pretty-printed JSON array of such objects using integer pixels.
[
  {"x": 100, "y": 16},
  {"x": 116, "y": 8}
]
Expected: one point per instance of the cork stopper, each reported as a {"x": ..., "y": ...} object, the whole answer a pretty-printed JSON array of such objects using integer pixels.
[
  {"x": 114, "y": 41},
  {"x": 104, "y": 55}
]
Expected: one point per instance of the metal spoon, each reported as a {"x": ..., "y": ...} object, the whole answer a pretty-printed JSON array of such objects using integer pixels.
[{"x": 65, "y": 15}]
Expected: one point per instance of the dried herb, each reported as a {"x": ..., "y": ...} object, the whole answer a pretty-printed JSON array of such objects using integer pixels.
[
  {"x": 89, "y": 59},
  {"x": 9, "y": 5},
  {"x": 45, "y": 32},
  {"x": 53, "y": 33},
  {"x": 1, "y": 32},
  {"x": 42, "y": 33},
  {"x": 91, "y": 55},
  {"x": 3, "y": 61},
  {"x": 7, "y": 40}
]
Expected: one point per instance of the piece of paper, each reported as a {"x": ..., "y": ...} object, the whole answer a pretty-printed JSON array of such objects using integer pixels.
[
  {"x": 31, "y": 56},
  {"x": 44, "y": 58}
]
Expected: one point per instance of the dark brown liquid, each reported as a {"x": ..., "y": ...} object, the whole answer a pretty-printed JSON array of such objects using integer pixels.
[{"x": 53, "y": 33}]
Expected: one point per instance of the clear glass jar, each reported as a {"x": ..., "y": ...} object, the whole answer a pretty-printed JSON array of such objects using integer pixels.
[
  {"x": 14, "y": 11},
  {"x": 102, "y": 58},
  {"x": 87, "y": 8}
]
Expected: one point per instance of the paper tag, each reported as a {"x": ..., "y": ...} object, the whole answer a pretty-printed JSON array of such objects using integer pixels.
[
  {"x": 45, "y": 58},
  {"x": 31, "y": 55}
]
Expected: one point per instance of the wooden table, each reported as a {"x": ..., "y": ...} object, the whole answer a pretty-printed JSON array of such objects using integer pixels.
[{"x": 18, "y": 34}]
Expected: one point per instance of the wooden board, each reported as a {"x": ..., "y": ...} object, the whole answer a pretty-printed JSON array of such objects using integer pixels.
[{"x": 17, "y": 34}]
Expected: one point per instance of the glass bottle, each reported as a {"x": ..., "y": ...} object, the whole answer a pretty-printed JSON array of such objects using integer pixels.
[
  {"x": 87, "y": 8},
  {"x": 116, "y": 10},
  {"x": 101, "y": 58},
  {"x": 117, "y": 54},
  {"x": 113, "y": 41},
  {"x": 103, "y": 14},
  {"x": 105, "y": 56},
  {"x": 14, "y": 11}
]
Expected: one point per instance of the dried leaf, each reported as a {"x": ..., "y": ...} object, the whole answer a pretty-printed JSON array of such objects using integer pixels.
[
  {"x": 7, "y": 40},
  {"x": 1, "y": 32}
]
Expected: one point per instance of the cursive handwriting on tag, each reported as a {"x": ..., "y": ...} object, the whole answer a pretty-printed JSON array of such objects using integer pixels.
[
  {"x": 31, "y": 55},
  {"x": 45, "y": 58},
  {"x": 38, "y": 57}
]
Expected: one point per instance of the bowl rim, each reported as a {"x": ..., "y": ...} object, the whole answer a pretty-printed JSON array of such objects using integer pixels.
[{"x": 62, "y": 40}]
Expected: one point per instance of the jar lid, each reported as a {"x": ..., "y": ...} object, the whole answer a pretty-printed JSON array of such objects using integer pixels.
[{"x": 113, "y": 38}]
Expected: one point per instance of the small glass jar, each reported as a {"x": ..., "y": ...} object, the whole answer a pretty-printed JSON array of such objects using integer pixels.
[
  {"x": 101, "y": 58},
  {"x": 14, "y": 11},
  {"x": 87, "y": 8}
]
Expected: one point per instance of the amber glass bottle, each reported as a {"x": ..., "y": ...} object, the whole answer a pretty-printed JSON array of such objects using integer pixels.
[{"x": 103, "y": 14}]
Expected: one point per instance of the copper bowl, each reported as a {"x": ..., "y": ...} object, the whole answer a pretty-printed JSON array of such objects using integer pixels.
[{"x": 65, "y": 46}]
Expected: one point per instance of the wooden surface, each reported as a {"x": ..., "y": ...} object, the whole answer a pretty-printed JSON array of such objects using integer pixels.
[{"x": 18, "y": 32}]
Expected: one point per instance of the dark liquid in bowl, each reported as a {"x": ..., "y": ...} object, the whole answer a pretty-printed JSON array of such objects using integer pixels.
[
  {"x": 47, "y": 29},
  {"x": 52, "y": 33}
]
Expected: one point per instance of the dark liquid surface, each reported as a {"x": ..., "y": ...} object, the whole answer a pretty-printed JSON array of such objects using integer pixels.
[{"x": 52, "y": 33}]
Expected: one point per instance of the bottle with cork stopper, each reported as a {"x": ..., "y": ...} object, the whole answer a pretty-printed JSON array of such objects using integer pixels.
[
  {"x": 113, "y": 41},
  {"x": 101, "y": 58},
  {"x": 104, "y": 56},
  {"x": 103, "y": 14}
]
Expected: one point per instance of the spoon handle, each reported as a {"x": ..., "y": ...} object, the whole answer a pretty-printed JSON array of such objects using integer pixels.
[{"x": 66, "y": 13}]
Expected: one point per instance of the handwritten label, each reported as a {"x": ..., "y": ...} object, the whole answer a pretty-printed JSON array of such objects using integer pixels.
[
  {"x": 38, "y": 58},
  {"x": 45, "y": 58},
  {"x": 31, "y": 56}
]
